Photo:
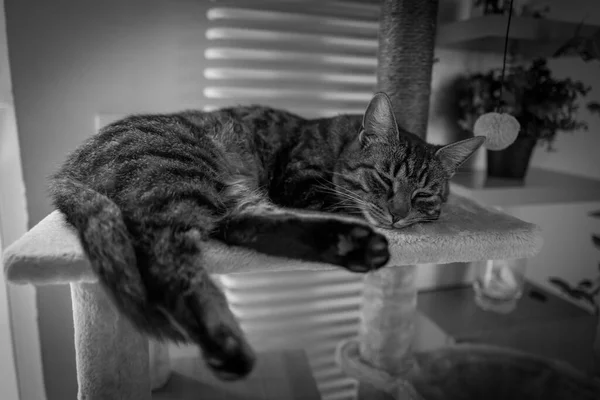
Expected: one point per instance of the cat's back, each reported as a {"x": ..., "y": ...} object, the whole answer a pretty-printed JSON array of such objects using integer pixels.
[
  {"x": 196, "y": 126},
  {"x": 255, "y": 114},
  {"x": 146, "y": 142},
  {"x": 191, "y": 136},
  {"x": 264, "y": 122}
]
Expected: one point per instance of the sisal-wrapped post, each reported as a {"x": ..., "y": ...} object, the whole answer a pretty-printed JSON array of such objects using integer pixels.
[
  {"x": 406, "y": 46},
  {"x": 405, "y": 57}
]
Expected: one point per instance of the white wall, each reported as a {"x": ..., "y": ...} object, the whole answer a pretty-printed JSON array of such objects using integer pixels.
[
  {"x": 20, "y": 359},
  {"x": 8, "y": 379},
  {"x": 568, "y": 251}
]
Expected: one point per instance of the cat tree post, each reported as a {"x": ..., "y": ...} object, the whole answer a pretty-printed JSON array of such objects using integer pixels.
[
  {"x": 405, "y": 58},
  {"x": 105, "y": 368}
]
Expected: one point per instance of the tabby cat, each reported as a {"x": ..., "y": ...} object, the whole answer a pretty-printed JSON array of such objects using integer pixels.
[{"x": 148, "y": 190}]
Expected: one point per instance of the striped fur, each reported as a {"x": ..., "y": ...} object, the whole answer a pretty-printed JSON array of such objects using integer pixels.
[{"x": 147, "y": 191}]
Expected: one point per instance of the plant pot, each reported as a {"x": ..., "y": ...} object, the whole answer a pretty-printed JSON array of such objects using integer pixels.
[{"x": 513, "y": 161}]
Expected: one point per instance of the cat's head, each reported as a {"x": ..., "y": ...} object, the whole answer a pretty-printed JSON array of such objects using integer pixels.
[{"x": 393, "y": 178}]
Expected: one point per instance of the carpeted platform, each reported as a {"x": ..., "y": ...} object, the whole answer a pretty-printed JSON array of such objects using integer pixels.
[{"x": 50, "y": 253}]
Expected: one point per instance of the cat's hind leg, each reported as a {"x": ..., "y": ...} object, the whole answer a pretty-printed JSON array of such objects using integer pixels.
[{"x": 180, "y": 288}]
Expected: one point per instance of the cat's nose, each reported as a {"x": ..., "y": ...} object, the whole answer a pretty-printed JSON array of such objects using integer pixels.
[{"x": 398, "y": 209}]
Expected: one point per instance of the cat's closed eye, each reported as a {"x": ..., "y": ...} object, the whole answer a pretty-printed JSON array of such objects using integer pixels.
[{"x": 423, "y": 196}]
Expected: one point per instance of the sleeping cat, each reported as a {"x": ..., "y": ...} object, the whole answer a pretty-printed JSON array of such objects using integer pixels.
[{"x": 148, "y": 190}]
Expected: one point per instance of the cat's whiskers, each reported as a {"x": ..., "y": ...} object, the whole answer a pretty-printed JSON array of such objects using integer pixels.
[
  {"x": 374, "y": 213},
  {"x": 355, "y": 205},
  {"x": 343, "y": 202},
  {"x": 334, "y": 188},
  {"x": 340, "y": 190},
  {"x": 341, "y": 193},
  {"x": 356, "y": 200},
  {"x": 362, "y": 205},
  {"x": 349, "y": 209},
  {"x": 378, "y": 212}
]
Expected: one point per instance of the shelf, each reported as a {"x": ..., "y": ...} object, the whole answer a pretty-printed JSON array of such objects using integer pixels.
[
  {"x": 532, "y": 37},
  {"x": 539, "y": 187}
]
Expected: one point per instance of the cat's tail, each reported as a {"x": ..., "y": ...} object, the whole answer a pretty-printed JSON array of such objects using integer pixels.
[
  {"x": 106, "y": 241},
  {"x": 191, "y": 311}
]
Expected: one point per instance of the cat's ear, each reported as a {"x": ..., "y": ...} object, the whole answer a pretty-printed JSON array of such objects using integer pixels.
[
  {"x": 453, "y": 155},
  {"x": 379, "y": 119}
]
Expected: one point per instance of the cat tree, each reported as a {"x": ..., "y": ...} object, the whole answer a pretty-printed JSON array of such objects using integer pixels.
[{"x": 115, "y": 362}]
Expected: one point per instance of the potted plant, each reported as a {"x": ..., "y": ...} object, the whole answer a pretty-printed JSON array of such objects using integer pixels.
[
  {"x": 477, "y": 8},
  {"x": 542, "y": 103}
]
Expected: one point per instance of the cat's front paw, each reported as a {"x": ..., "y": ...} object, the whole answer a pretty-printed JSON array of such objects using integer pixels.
[{"x": 361, "y": 249}]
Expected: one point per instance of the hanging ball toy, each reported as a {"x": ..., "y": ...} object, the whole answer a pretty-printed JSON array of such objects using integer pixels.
[{"x": 500, "y": 130}]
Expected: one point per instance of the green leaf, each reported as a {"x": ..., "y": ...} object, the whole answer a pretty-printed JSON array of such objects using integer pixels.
[
  {"x": 594, "y": 107},
  {"x": 596, "y": 240},
  {"x": 579, "y": 294},
  {"x": 584, "y": 284},
  {"x": 584, "y": 296},
  {"x": 595, "y": 214},
  {"x": 561, "y": 285},
  {"x": 587, "y": 297}
]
